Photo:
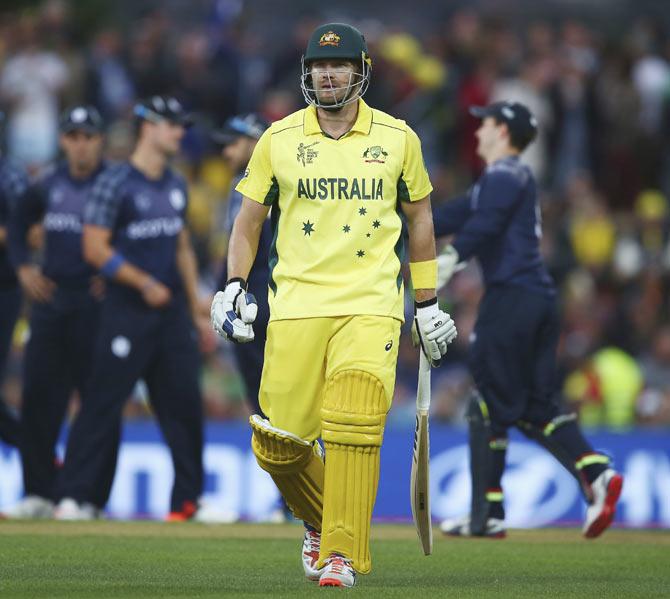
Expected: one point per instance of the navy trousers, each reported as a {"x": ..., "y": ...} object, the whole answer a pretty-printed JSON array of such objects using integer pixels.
[
  {"x": 513, "y": 356},
  {"x": 57, "y": 362},
  {"x": 10, "y": 304},
  {"x": 137, "y": 342}
]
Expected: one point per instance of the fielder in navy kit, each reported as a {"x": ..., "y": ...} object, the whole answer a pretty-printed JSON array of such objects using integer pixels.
[
  {"x": 134, "y": 233},
  {"x": 13, "y": 182},
  {"x": 513, "y": 351},
  {"x": 239, "y": 136},
  {"x": 65, "y": 294}
]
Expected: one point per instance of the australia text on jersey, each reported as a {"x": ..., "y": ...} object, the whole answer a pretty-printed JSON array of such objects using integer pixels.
[{"x": 340, "y": 188}]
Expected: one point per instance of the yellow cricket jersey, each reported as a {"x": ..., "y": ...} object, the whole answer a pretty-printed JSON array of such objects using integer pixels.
[{"x": 337, "y": 244}]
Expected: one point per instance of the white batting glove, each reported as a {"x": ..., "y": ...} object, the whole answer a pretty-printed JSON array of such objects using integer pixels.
[
  {"x": 435, "y": 328},
  {"x": 447, "y": 266},
  {"x": 233, "y": 312}
]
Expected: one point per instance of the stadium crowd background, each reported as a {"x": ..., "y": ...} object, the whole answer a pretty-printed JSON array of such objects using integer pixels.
[{"x": 596, "y": 74}]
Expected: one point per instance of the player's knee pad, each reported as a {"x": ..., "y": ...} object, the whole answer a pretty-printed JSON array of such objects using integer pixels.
[
  {"x": 296, "y": 466},
  {"x": 354, "y": 409},
  {"x": 352, "y": 420}
]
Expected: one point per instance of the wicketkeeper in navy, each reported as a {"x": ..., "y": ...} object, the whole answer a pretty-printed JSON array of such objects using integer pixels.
[{"x": 513, "y": 347}]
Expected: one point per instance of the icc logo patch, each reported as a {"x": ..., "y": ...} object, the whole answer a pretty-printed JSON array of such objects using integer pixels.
[
  {"x": 306, "y": 154},
  {"x": 375, "y": 154},
  {"x": 177, "y": 199},
  {"x": 330, "y": 39}
]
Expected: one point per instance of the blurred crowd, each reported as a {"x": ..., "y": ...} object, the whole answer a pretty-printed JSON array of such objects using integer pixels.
[{"x": 602, "y": 156}]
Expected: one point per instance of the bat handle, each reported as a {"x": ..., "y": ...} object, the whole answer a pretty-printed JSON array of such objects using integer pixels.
[{"x": 423, "y": 391}]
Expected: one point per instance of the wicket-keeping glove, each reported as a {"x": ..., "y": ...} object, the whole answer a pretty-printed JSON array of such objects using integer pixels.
[
  {"x": 447, "y": 266},
  {"x": 435, "y": 329},
  {"x": 233, "y": 311}
]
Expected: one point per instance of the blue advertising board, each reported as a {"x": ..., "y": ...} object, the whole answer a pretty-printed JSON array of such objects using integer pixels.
[{"x": 538, "y": 491}]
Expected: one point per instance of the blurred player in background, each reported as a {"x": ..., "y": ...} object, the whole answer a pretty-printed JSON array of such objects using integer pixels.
[
  {"x": 13, "y": 182},
  {"x": 513, "y": 351},
  {"x": 135, "y": 235},
  {"x": 239, "y": 137},
  {"x": 65, "y": 293},
  {"x": 337, "y": 176}
]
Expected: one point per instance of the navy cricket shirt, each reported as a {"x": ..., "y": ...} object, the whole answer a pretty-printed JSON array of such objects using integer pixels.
[
  {"x": 57, "y": 200},
  {"x": 145, "y": 216},
  {"x": 499, "y": 222}
]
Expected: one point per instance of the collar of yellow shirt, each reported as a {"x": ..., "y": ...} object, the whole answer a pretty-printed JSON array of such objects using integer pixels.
[{"x": 362, "y": 125}]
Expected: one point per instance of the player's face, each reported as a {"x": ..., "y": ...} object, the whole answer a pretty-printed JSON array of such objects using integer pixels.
[
  {"x": 166, "y": 136},
  {"x": 489, "y": 135},
  {"x": 238, "y": 152},
  {"x": 332, "y": 79},
  {"x": 82, "y": 149}
]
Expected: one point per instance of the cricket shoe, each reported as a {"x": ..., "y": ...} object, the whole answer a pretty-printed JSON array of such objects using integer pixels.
[
  {"x": 70, "y": 510},
  {"x": 311, "y": 545},
  {"x": 337, "y": 572},
  {"x": 31, "y": 507},
  {"x": 599, "y": 515},
  {"x": 495, "y": 528}
]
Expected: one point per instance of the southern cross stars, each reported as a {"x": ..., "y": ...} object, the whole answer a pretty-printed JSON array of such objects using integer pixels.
[
  {"x": 346, "y": 228},
  {"x": 376, "y": 224},
  {"x": 308, "y": 228},
  {"x": 360, "y": 253},
  {"x": 362, "y": 211}
]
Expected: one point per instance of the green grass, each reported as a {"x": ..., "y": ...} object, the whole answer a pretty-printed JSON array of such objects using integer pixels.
[{"x": 113, "y": 559}]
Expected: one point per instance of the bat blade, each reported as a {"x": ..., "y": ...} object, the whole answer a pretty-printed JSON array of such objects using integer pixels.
[{"x": 420, "y": 475}]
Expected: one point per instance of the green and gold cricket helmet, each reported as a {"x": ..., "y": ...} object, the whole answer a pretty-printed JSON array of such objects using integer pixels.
[{"x": 336, "y": 41}]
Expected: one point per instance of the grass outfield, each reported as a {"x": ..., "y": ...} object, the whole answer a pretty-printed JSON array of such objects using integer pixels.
[{"x": 118, "y": 559}]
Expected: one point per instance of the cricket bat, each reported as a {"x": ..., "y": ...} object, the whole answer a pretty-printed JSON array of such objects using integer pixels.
[{"x": 420, "y": 478}]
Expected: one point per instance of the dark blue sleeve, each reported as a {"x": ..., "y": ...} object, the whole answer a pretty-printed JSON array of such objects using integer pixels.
[
  {"x": 13, "y": 184},
  {"x": 28, "y": 210},
  {"x": 105, "y": 198},
  {"x": 449, "y": 217},
  {"x": 492, "y": 206}
]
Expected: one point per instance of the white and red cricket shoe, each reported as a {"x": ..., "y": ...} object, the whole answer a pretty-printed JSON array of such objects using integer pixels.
[
  {"x": 337, "y": 572},
  {"x": 311, "y": 546},
  {"x": 599, "y": 515}
]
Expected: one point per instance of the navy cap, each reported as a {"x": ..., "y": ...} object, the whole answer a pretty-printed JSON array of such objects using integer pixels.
[
  {"x": 81, "y": 118},
  {"x": 519, "y": 120},
  {"x": 249, "y": 125},
  {"x": 162, "y": 108}
]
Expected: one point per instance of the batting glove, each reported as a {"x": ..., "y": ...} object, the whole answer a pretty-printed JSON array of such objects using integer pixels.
[
  {"x": 233, "y": 311},
  {"x": 447, "y": 265},
  {"x": 435, "y": 329}
]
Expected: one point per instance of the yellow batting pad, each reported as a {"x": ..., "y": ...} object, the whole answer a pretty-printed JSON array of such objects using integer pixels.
[
  {"x": 353, "y": 415},
  {"x": 295, "y": 465}
]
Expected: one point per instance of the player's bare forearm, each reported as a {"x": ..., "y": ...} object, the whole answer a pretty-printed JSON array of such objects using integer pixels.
[
  {"x": 188, "y": 270},
  {"x": 421, "y": 237},
  {"x": 98, "y": 250},
  {"x": 244, "y": 238}
]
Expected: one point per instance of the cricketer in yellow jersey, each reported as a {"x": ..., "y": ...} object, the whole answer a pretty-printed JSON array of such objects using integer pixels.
[{"x": 337, "y": 176}]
